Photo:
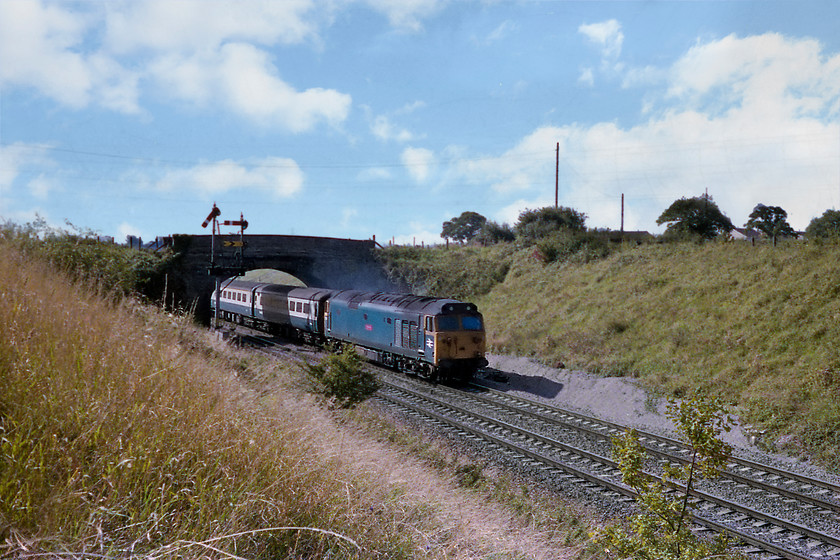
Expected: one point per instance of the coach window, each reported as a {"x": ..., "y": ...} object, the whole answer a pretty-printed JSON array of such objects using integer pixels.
[{"x": 306, "y": 308}]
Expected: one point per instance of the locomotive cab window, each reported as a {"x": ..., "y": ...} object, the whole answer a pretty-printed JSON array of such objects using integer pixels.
[
  {"x": 447, "y": 323},
  {"x": 471, "y": 323}
]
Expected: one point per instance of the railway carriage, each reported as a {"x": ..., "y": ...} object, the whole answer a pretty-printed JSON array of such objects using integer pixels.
[{"x": 431, "y": 337}]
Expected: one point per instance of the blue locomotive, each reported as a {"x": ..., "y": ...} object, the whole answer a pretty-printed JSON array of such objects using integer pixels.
[{"x": 431, "y": 337}]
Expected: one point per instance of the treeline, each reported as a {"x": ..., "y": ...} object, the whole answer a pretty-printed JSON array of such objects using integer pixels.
[
  {"x": 560, "y": 231},
  {"x": 557, "y": 233},
  {"x": 77, "y": 252}
]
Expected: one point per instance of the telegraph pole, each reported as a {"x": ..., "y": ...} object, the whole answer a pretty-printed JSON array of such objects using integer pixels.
[
  {"x": 622, "y": 215},
  {"x": 557, "y": 177}
]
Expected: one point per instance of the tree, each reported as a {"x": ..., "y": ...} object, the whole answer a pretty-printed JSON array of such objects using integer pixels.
[
  {"x": 661, "y": 529},
  {"x": 826, "y": 226},
  {"x": 492, "y": 232},
  {"x": 771, "y": 221},
  {"x": 464, "y": 227},
  {"x": 536, "y": 224},
  {"x": 698, "y": 215}
]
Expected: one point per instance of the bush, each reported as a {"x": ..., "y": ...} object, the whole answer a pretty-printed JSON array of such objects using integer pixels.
[
  {"x": 78, "y": 253},
  {"x": 343, "y": 379},
  {"x": 662, "y": 528},
  {"x": 492, "y": 233},
  {"x": 537, "y": 224},
  {"x": 574, "y": 246},
  {"x": 826, "y": 226}
]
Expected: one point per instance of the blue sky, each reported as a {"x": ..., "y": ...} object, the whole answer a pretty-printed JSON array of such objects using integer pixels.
[{"x": 355, "y": 118}]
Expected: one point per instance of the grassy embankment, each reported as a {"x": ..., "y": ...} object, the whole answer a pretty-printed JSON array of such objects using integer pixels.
[
  {"x": 119, "y": 438},
  {"x": 125, "y": 432},
  {"x": 758, "y": 326}
]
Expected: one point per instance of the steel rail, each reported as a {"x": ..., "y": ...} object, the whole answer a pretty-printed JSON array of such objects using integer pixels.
[
  {"x": 594, "y": 480},
  {"x": 654, "y": 450},
  {"x": 603, "y": 482},
  {"x": 803, "y": 479}
]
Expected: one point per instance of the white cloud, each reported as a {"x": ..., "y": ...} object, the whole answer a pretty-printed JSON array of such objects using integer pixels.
[
  {"x": 407, "y": 14},
  {"x": 18, "y": 157},
  {"x": 125, "y": 229},
  {"x": 200, "y": 25},
  {"x": 419, "y": 234},
  {"x": 418, "y": 161},
  {"x": 762, "y": 127},
  {"x": 279, "y": 177},
  {"x": 40, "y": 187},
  {"x": 768, "y": 74},
  {"x": 607, "y": 35},
  {"x": 41, "y": 48},
  {"x": 243, "y": 78},
  {"x": 510, "y": 213},
  {"x": 501, "y": 32},
  {"x": 383, "y": 129},
  {"x": 587, "y": 77},
  {"x": 196, "y": 51}
]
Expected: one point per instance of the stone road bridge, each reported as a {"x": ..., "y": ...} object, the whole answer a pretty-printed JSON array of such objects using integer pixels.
[{"x": 322, "y": 262}]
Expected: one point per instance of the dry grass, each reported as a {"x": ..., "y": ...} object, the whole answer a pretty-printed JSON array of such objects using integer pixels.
[
  {"x": 757, "y": 326},
  {"x": 124, "y": 432}
]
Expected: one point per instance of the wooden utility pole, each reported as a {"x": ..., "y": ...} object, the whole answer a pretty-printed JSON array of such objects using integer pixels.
[
  {"x": 622, "y": 214},
  {"x": 557, "y": 177}
]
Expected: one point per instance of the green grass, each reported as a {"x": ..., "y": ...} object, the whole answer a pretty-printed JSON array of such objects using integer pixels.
[
  {"x": 125, "y": 431},
  {"x": 457, "y": 271},
  {"x": 122, "y": 435},
  {"x": 757, "y": 326}
]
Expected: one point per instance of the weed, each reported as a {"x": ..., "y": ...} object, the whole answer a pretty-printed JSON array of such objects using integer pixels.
[{"x": 343, "y": 378}]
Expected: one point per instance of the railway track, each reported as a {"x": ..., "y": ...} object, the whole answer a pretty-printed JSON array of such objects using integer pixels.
[{"x": 775, "y": 513}]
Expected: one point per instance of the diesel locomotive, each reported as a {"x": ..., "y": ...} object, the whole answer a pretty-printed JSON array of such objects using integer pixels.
[{"x": 435, "y": 338}]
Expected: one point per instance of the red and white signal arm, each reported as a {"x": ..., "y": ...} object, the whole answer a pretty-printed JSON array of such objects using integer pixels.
[{"x": 213, "y": 214}]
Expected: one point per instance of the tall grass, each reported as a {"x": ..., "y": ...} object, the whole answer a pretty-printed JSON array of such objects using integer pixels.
[
  {"x": 80, "y": 255},
  {"x": 757, "y": 326},
  {"x": 458, "y": 272},
  {"x": 118, "y": 437}
]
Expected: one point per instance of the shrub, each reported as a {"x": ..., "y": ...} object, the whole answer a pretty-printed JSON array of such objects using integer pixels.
[
  {"x": 343, "y": 379},
  {"x": 492, "y": 233},
  {"x": 574, "y": 246},
  {"x": 78, "y": 253},
  {"x": 536, "y": 224},
  {"x": 661, "y": 529}
]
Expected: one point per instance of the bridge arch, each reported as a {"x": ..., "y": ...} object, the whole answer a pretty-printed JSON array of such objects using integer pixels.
[{"x": 322, "y": 262}]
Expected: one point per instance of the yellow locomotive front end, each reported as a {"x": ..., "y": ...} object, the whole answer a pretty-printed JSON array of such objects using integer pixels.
[{"x": 457, "y": 340}]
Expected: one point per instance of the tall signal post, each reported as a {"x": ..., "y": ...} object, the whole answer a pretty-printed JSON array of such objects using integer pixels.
[{"x": 218, "y": 271}]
